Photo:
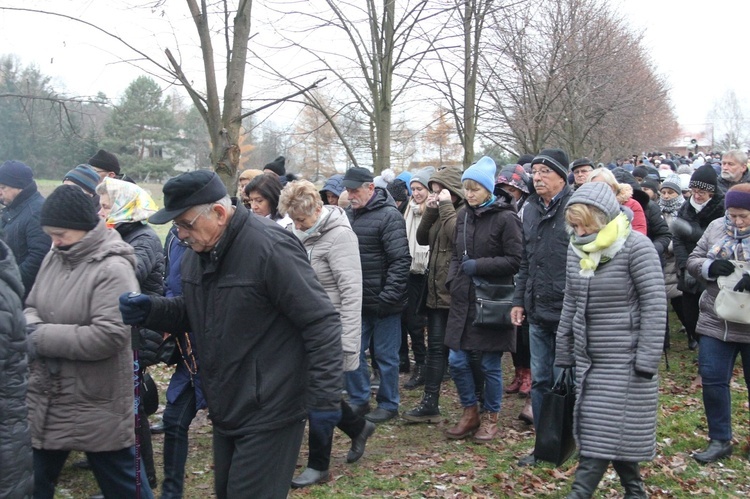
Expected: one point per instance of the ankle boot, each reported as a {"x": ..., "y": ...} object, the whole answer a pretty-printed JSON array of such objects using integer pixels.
[
  {"x": 525, "y": 389},
  {"x": 488, "y": 429},
  {"x": 527, "y": 414},
  {"x": 516, "y": 383},
  {"x": 417, "y": 378},
  {"x": 427, "y": 410},
  {"x": 467, "y": 425}
]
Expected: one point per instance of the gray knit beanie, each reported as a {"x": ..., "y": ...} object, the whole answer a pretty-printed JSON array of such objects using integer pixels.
[{"x": 599, "y": 195}]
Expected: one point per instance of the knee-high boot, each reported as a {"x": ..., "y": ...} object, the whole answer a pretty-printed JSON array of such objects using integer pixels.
[
  {"x": 588, "y": 476},
  {"x": 630, "y": 478}
]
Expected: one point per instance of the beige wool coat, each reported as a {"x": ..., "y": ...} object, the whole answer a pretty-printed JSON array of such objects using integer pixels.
[{"x": 80, "y": 394}]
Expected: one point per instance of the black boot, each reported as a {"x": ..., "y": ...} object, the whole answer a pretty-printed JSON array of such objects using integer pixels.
[
  {"x": 630, "y": 478},
  {"x": 588, "y": 475},
  {"x": 417, "y": 378},
  {"x": 426, "y": 412}
]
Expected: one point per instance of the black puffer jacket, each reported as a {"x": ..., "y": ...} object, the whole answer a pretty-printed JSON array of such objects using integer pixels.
[
  {"x": 684, "y": 241},
  {"x": 540, "y": 283},
  {"x": 149, "y": 258},
  {"x": 16, "y": 475},
  {"x": 24, "y": 235},
  {"x": 492, "y": 236},
  {"x": 384, "y": 252},
  {"x": 265, "y": 328}
]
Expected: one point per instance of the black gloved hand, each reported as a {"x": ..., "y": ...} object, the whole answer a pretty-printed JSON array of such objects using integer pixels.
[
  {"x": 743, "y": 284},
  {"x": 688, "y": 280},
  {"x": 681, "y": 228},
  {"x": 134, "y": 308},
  {"x": 720, "y": 268}
]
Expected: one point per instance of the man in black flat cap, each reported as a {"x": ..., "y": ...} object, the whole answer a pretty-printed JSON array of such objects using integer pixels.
[{"x": 268, "y": 336}]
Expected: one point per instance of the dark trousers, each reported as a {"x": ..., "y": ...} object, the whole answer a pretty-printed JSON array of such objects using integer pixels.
[
  {"x": 412, "y": 323},
  {"x": 591, "y": 470},
  {"x": 437, "y": 352},
  {"x": 177, "y": 418},
  {"x": 690, "y": 311},
  {"x": 260, "y": 464},
  {"x": 114, "y": 472},
  {"x": 147, "y": 449},
  {"x": 522, "y": 355},
  {"x": 320, "y": 444}
]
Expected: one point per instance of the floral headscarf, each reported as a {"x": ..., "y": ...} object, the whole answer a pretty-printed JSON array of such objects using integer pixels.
[{"x": 130, "y": 203}]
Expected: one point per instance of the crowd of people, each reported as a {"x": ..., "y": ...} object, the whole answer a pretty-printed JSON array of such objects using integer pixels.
[{"x": 291, "y": 304}]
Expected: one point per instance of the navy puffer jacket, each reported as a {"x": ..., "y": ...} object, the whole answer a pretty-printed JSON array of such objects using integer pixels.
[{"x": 384, "y": 252}]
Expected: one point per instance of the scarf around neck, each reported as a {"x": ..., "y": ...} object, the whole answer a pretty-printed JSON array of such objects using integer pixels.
[
  {"x": 734, "y": 245},
  {"x": 608, "y": 241},
  {"x": 672, "y": 206}
]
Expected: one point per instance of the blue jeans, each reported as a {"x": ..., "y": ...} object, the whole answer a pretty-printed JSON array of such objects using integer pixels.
[
  {"x": 715, "y": 363},
  {"x": 114, "y": 472},
  {"x": 543, "y": 370},
  {"x": 386, "y": 334},
  {"x": 460, "y": 365},
  {"x": 177, "y": 418}
]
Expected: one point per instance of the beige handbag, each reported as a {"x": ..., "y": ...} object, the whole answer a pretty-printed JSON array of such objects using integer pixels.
[{"x": 730, "y": 305}]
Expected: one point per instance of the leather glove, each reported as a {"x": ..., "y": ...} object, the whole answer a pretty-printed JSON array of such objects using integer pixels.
[
  {"x": 743, "y": 284},
  {"x": 720, "y": 268},
  {"x": 644, "y": 374},
  {"x": 688, "y": 280},
  {"x": 469, "y": 267},
  {"x": 134, "y": 308},
  {"x": 30, "y": 345},
  {"x": 323, "y": 422}
]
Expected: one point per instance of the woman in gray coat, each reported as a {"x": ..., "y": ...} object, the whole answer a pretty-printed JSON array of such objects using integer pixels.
[
  {"x": 334, "y": 255},
  {"x": 612, "y": 330}
]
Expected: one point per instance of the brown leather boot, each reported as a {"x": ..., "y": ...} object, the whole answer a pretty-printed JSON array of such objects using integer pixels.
[
  {"x": 516, "y": 383},
  {"x": 488, "y": 429},
  {"x": 527, "y": 414},
  {"x": 525, "y": 389},
  {"x": 467, "y": 425}
]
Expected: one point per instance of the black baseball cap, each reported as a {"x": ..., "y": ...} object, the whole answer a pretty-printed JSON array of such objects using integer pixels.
[
  {"x": 187, "y": 190},
  {"x": 356, "y": 176}
]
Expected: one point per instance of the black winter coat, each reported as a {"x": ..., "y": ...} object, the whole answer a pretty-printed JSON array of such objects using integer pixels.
[
  {"x": 658, "y": 229},
  {"x": 149, "y": 259},
  {"x": 268, "y": 336},
  {"x": 494, "y": 238},
  {"x": 683, "y": 245},
  {"x": 24, "y": 235},
  {"x": 384, "y": 252},
  {"x": 540, "y": 283},
  {"x": 16, "y": 468}
]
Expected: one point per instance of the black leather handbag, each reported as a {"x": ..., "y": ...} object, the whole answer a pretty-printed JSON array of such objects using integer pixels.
[
  {"x": 554, "y": 435},
  {"x": 492, "y": 304}
]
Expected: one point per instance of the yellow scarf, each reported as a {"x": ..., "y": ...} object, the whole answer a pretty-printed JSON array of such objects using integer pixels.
[{"x": 608, "y": 242}]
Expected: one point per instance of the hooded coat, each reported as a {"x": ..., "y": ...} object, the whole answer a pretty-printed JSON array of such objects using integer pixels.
[
  {"x": 436, "y": 230},
  {"x": 491, "y": 235},
  {"x": 334, "y": 255},
  {"x": 16, "y": 478},
  {"x": 612, "y": 328},
  {"x": 81, "y": 385}
]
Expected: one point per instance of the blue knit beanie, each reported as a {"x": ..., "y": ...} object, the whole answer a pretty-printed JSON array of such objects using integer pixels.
[
  {"x": 84, "y": 177},
  {"x": 16, "y": 174},
  {"x": 482, "y": 172}
]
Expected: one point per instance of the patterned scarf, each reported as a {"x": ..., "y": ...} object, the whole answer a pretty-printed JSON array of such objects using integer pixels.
[
  {"x": 130, "y": 203},
  {"x": 604, "y": 246},
  {"x": 735, "y": 245},
  {"x": 672, "y": 206}
]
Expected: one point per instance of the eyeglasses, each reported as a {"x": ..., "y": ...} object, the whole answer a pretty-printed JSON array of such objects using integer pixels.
[
  {"x": 189, "y": 225},
  {"x": 700, "y": 192},
  {"x": 544, "y": 172},
  {"x": 582, "y": 171}
]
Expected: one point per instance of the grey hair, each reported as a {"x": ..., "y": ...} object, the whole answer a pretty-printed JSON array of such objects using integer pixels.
[{"x": 739, "y": 155}]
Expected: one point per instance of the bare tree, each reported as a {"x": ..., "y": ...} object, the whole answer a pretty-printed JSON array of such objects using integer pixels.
[
  {"x": 570, "y": 73},
  {"x": 729, "y": 120}
]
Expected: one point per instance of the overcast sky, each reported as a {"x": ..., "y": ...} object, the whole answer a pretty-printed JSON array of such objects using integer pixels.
[{"x": 699, "y": 47}]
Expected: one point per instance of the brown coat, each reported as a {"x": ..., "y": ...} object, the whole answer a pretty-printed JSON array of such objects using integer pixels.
[{"x": 80, "y": 393}]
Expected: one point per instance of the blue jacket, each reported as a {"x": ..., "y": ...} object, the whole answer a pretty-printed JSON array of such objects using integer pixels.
[{"x": 24, "y": 235}]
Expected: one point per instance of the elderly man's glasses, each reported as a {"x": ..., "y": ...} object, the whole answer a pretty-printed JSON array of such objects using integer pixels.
[
  {"x": 189, "y": 225},
  {"x": 542, "y": 171}
]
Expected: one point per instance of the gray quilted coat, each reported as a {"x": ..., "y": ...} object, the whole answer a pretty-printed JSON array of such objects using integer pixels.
[
  {"x": 709, "y": 324},
  {"x": 611, "y": 326}
]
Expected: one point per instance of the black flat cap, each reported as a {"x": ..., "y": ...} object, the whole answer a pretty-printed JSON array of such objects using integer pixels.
[
  {"x": 356, "y": 176},
  {"x": 187, "y": 190}
]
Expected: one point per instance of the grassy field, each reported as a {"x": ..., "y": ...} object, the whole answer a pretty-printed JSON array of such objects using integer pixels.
[{"x": 406, "y": 460}]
